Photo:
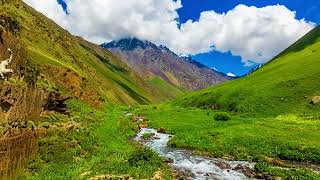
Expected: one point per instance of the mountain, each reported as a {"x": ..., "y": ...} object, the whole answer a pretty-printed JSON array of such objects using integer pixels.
[
  {"x": 152, "y": 61},
  {"x": 79, "y": 68},
  {"x": 284, "y": 85}
]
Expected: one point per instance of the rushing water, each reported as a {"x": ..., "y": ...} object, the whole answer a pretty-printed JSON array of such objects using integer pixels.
[{"x": 192, "y": 166}]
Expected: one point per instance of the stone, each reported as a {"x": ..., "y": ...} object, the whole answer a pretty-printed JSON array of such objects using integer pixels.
[
  {"x": 168, "y": 160},
  {"x": 315, "y": 100},
  {"x": 223, "y": 165},
  {"x": 143, "y": 126},
  {"x": 245, "y": 170},
  {"x": 15, "y": 124},
  {"x": 23, "y": 124}
]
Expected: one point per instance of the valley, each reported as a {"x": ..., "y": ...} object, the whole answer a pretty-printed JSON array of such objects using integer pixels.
[{"x": 72, "y": 109}]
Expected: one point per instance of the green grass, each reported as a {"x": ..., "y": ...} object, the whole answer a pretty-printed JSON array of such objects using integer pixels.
[
  {"x": 270, "y": 111},
  {"x": 165, "y": 90},
  {"x": 286, "y": 137},
  {"x": 101, "y": 146},
  {"x": 289, "y": 173},
  {"x": 285, "y": 85}
]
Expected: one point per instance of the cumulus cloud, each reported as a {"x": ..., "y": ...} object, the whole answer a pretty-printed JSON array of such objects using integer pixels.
[
  {"x": 231, "y": 75},
  {"x": 255, "y": 34}
]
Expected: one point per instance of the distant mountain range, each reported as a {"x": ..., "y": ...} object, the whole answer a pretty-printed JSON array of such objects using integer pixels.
[{"x": 152, "y": 61}]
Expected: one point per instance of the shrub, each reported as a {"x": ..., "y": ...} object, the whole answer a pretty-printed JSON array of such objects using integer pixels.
[
  {"x": 222, "y": 116},
  {"x": 147, "y": 135},
  {"x": 141, "y": 156}
]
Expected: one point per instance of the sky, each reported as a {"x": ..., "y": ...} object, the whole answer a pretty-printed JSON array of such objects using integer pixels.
[
  {"x": 231, "y": 36},
  {"x": 226, "y": 62}
]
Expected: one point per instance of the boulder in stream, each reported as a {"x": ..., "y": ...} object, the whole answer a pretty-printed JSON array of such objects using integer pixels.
[
  {"x": 223, "y": 165},
  {"x": 245, "y": 170}
]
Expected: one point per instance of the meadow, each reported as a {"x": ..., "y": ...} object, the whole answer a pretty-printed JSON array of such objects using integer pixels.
[
  {"x": 277, "y": 141},
  {"x": 101, "y": 145}
]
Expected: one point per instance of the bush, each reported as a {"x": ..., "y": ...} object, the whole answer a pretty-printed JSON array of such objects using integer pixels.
[
  {"x": 142, "y": 156},
  {"x": 222, "y": 116}
]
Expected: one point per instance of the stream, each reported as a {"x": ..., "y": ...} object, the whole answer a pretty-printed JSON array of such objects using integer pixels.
[{"x": 191, "y": 166}]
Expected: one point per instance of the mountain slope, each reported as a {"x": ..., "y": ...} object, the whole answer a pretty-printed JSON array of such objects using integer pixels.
[
  {"x": 151, "y": 61},
  {"x": 285, "y": 85},
  {"x": 74, "y": 66},
  {"x": 65, "y": 90}
]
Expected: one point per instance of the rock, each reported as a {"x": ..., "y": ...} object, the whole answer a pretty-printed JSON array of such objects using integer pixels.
[
  {"x": 15, "y": 124},
  {"x": 45, "y": 125},
  {"x": 278, "y": 178},
  {"x": 161, "y": 130},
  {"x": 56, "y": 102},
  {"x": 143, "y": 126},
  {"x": 31, "y": 125},
  {"x": 315, "y": 100},
  {"x": 245, "y": 170},
  {"x": 23, "y": 124},
  {"x": 223, "y": 165},
  {"x": 168, "y": 160}
]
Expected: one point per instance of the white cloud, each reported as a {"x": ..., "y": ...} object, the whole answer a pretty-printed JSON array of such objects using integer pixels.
[
  {"x": 255, "y": 34},
  {"x": 231, "y": 75}
]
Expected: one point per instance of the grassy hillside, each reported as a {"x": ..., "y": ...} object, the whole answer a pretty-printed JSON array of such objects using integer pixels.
[
  {"x": 84, "y": 137},
  {"x": 75, "y": 66},
  {"x": 285, "y": 85}
]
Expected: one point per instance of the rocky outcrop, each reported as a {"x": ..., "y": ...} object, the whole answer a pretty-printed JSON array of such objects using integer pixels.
[
  {"x": 14, "y": 152},
  {"x": 20, "y": 104},
  {"x": 56, "y": 102}
]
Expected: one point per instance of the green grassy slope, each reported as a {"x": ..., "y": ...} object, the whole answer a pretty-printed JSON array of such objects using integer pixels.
[
  {"x": 285, "y": 85},
  {"x": 100, "y": 147},
  {"x": 270, "y": 142},
  {"x": 75, "y": 66}
]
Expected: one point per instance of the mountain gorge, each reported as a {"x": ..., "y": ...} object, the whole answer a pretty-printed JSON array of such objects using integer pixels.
[{"x": 152, "y": 61}]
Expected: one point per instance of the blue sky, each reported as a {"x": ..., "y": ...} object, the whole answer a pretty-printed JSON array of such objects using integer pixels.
[{"x": 226, "y": 62}]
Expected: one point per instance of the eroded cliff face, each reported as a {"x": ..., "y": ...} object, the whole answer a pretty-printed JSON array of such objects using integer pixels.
[
  {"x": 22, "y": 104},
  {"x": 21, "y": 108},
  {"x": 19, "y": 103},
  {"x": 15, "y": 151}
]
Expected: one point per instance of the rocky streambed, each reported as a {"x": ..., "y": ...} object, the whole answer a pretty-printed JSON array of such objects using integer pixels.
[{"x": 191, "y": 166}]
